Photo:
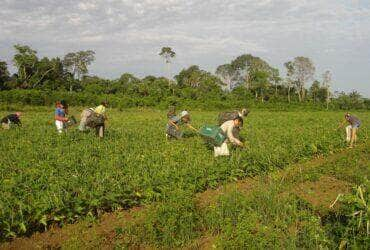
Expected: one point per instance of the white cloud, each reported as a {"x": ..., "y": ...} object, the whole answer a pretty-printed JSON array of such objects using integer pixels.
[{"x": 129, "y": 33}]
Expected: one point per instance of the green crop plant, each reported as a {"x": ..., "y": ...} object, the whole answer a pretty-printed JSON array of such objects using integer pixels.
[{"x": 46, "y": 178}]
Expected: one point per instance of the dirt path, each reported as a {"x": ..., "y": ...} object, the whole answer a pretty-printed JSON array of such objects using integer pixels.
[{"x": 101, "y": 234}]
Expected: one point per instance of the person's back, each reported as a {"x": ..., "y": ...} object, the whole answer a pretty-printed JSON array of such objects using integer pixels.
[
  {"x": 100, "y": 110},
  {"x": 229, "y": 127},
  {"x": 11, "y": 119},
  {"x": 353, "y": 120},
  {"x": 227, "y": 116}
]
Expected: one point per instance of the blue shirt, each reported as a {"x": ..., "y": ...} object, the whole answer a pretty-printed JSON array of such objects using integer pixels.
[{"x": 60, "y": 112}]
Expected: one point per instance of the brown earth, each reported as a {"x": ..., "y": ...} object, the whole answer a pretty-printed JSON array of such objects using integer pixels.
[{"x": 321, "y": 194}]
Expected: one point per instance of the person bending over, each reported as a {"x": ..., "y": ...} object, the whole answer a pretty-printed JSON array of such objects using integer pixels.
[
  {"x": 228, "y": 129},
  {"x": 174, "y": 123},
  {"x": 351, "y": 129},
  {"x": 11, "y": 119}
]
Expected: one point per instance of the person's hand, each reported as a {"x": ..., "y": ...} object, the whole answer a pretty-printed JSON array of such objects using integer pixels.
[{"x": 177, "y": 128}]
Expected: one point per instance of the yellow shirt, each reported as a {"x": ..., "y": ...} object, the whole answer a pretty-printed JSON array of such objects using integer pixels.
[{"x": 99, "y": 110}]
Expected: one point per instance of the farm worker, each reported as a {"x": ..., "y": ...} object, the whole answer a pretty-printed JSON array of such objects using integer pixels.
[
  {"x": 8, "y": 120},
  {"x": 60, "y": 117},
  {"x": 351, "y": 129},
  {"x": 231, "y": 115},
  {"x": 94, "y": 118},
  {"x": 173, "y": 125},
  {"x": 228, "y": 128},
  {"x": 228, "y": 116},
  {"x": 171, "y": 112}
]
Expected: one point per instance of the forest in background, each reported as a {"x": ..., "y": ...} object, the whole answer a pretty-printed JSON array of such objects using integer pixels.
[{"x": 245, "y": 81}]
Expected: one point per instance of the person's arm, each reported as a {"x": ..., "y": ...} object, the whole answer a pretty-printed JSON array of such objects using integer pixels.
[
  {"x": 18, "y": 122},
  {"x": 230, "y": 135},
  {"x": 173, "y": 124},
  {"x": 61, "y": 118}
]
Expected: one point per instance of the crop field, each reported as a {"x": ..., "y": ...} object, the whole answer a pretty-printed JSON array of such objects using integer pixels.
[{"x": 46, "y": 178}]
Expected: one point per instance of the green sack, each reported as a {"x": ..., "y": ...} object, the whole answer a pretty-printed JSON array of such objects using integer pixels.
[{"x": 213, "y": 134}]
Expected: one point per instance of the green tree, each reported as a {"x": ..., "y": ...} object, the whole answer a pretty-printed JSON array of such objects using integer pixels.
[
  {"x": 227, "y": 75},
  {"x": 315, "y": 90},
  {"x": 4, "y": 75},
  {"x": 289, "y": 77},
  {"x": 167, "y": 54},
  {"x": 326, "y": 82},
  {"x": 77, "y": 63},
  {"x": 276, "y": 79},
  {"x": 25, "y": 60},
  {"x": 50, "y": 74},
  {"x": 303, "y": 71}
]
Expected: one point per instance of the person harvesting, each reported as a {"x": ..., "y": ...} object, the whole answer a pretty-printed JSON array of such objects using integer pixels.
[
  {"x": 351, "y": 129},
  {"x": 60, "y": 116},
  {"x": 228, "y": 129},
  {"x": 94, "y": 118},
  {"x": 11, "y": 119},
  {"x": 174, "y": 123},
  {"x": 231, "y": 115}
]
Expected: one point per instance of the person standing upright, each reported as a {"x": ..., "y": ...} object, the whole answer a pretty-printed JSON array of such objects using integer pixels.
[{"x": 60, "y": 117}]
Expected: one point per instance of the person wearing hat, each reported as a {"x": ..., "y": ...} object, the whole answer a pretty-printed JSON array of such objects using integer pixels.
[
  {"x": 174, "y": 123},
  {"x": 351, "y": 129},
  {"x": 94, "y": 118},
  {"x": 11, "y": 119}
]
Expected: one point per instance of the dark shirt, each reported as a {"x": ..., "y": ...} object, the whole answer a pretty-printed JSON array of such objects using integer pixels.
[
  {"x": 353, "y": 120},
  {"x": 13, "y": 118}
]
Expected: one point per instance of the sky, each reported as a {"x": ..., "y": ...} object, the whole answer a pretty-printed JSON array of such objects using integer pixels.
[{"x": 127, "y": 35}]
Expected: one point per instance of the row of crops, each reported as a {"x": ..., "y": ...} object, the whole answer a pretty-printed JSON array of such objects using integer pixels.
[{"x": 47, "y": 178}]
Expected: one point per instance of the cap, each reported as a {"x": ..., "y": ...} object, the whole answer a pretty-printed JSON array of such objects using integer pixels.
[{"x": 184, "y": 113}]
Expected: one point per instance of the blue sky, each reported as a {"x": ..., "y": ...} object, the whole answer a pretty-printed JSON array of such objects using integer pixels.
[{"x": 127, "y": 34}]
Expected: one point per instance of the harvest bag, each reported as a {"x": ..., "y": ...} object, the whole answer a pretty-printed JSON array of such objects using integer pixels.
[
  {"x": 213, "y": 134},
  {"x": 95, "y": 120},
  {"x": 222, "y": 150}
]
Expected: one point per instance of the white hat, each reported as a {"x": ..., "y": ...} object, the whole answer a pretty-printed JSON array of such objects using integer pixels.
[{"x": 184, "y": 113}]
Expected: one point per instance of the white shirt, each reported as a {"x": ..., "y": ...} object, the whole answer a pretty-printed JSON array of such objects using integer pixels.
[{"x": 227, "y": 128}]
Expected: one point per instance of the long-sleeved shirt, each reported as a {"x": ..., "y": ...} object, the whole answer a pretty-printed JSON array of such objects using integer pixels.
[
  {"x": 12, "y": 118},
  {"x": 227, "y": 127}
]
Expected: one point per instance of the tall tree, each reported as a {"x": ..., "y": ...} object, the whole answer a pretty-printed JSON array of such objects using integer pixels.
[
  {"x": 303, "y": 71},
  {"x": 289, "y": 77},
  {"x": 315, "y": 90},
  {"x": 326, "y": 82},
  {"x": 275, "y": 78},
  {"x": 167, "y": 54},
  {"x": 4, "y": 74},
  {"x": 77, "y": 62},
  {"x": 227, "y": 74},
  {"x": 25, "y": 60}
]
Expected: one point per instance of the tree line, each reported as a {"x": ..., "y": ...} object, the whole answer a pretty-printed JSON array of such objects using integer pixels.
[{"x": 246, "y": 78}]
